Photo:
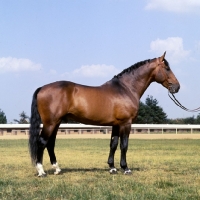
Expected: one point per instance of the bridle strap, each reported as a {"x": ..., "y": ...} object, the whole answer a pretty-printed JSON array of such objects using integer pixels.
[{"x": 173, "y": 98}]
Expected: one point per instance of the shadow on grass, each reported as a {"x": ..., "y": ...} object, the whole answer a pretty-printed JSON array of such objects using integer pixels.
[{"x": 68, "y": 170}]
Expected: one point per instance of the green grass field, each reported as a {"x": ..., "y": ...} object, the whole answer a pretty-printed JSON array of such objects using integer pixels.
[{"x": 162, "y": 169}]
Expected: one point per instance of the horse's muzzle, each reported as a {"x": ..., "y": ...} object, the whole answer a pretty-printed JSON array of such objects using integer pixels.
[{"x": 174, "y": 88}]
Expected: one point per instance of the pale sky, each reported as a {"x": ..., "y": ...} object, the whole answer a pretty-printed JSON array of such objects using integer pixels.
[{"x": 88, "y": 42}]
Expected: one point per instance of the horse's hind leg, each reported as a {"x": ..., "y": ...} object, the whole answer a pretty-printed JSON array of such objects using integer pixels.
[
  {"x": 40, "y": 151},
  {"x": 42, "y": 144},
  {"x": 50, "y": 148},
  {"x": 113, "y": 147}
]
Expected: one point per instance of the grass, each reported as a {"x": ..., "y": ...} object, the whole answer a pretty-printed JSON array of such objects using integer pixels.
[{"x": 162, "y": 169}]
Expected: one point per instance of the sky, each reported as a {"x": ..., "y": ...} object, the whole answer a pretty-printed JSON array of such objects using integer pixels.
[{"x": 90, "y": 41}]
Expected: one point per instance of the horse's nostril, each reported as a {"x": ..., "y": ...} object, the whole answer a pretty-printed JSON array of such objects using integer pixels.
[{"x": 173, "y": 88}]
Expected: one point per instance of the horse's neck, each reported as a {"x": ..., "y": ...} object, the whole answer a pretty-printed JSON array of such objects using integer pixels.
[{"x": 138, "y": 80}]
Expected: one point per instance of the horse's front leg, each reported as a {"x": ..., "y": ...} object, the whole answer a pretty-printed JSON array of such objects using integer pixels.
[
  {"x": 113, "y": 146},
  {"x": 124, "y": 137}
]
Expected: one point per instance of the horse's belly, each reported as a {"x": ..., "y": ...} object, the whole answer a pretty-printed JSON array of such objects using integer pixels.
[
  {"x": 94, "y": 117},
  {"x": 101, "y": 116},
  {"x": 98, "y": 108}
]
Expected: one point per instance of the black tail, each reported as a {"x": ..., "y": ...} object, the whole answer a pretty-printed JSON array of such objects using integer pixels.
[{"x": 34, "y": 131}]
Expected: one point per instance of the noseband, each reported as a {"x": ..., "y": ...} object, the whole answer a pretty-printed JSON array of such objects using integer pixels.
[{"x": 173, "y": 98}]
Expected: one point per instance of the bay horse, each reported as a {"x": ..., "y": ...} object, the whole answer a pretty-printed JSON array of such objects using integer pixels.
[{"x": 115, "y": 103}]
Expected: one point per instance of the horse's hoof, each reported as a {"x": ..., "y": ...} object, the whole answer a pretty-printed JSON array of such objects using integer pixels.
[
  {"x": 42, "y": 175},
  {"x": 57, "y": 171},
  {"x": 113, "y": 171},
  {"x": 127, "y": 172}
]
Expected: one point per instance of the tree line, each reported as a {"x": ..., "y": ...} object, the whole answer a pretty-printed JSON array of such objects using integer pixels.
[
  {"x": 24, "y": 118},
  {"x": 149, "y": 113}
]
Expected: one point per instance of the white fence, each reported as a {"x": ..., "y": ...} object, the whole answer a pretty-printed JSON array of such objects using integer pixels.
[{"x": 16, "y": 129}]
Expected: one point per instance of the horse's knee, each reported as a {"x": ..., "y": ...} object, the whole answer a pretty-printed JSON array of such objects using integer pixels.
[
  {"x": 114, "y": 143},
  {"x": 124, "y": 143},
  {"x": 124, "y": 148}
]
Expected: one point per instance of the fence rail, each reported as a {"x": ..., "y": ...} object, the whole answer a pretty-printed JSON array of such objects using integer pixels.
[{"x": 23, "y": 129}]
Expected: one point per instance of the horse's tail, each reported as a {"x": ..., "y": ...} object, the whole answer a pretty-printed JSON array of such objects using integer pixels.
[{"x": 34, "y": 130}]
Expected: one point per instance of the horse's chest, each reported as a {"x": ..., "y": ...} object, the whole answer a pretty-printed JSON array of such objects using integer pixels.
[{"x": 125, "y": 111}]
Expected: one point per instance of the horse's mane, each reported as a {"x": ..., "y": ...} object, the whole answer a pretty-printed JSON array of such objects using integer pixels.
[
  {"x": 132, "y": 67},
  {"x": 166, "y": 63},
  {"x": 137, "y": 65}
]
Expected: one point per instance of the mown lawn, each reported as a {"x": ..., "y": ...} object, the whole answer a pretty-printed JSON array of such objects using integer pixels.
[{"x": 162, "y": 169}]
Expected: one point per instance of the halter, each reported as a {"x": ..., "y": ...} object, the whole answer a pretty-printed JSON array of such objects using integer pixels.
[{"x": 173, "y": 98}]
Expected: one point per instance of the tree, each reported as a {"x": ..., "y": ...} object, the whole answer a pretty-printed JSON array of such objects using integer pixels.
[
  {"x": 141, "y": 114},
  {"x": 189, "y": 120},
  {"x": 176, "y": 121},
  {"x": 24, "y": 119},
  {"x": 198, "y": 119},
  {"x": 3, "y": 119},
  {"x": 150, "y": 112}
]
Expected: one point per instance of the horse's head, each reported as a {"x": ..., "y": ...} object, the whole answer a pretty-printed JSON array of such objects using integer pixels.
[{"x": 165, "y": 76}]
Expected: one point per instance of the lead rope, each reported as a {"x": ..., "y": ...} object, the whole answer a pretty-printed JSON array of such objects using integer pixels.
[{"x": 180, "y": 105}]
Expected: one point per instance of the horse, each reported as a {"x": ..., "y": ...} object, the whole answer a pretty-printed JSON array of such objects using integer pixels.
[{"x": 115, "y": 103}]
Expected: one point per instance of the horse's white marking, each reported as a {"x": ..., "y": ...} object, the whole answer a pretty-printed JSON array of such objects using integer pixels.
[
  {"x": 113, "y": 170},
  {"x": 57, "y": 168},
  {"x": 40, "y": 169},
  {"x": 127, "y": 172}
]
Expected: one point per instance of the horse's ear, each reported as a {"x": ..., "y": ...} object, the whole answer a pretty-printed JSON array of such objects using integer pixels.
[{"x": 162, "y": 57}]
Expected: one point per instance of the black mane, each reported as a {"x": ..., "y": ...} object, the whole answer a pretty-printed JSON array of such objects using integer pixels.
[
  {"x": 132, "y": 67},
  {"x": 137, "y": 65},
  {"x": 166, "y": 63}
]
